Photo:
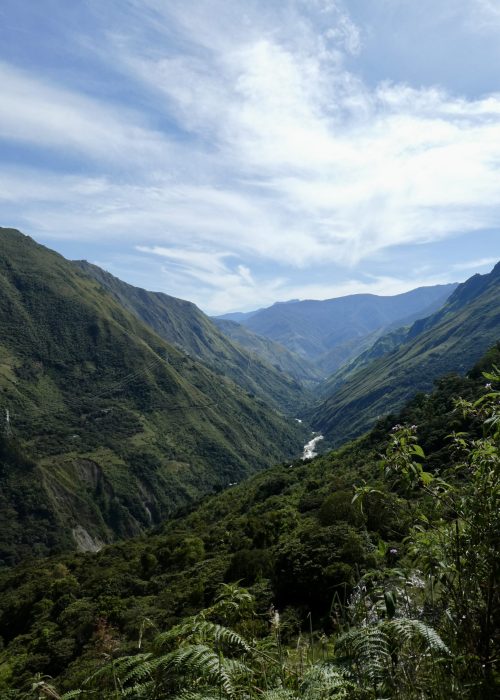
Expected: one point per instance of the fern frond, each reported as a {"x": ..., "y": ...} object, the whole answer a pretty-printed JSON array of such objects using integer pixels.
[
  {"x": 408, "y": 631},
  {"x": 278, "y": 694},
  {"x": 369, "y": 648},
  {"x": 201, "y": 661},
  {"x": 199, "y": 629},
  {"x": 119, "y": 666},
  {"x": 209, "y": 631},
  {"x": 194, "y": 695},
  {"x": 145, "y": 668},
  {"x": 139, "y": 691},
  {"x": 235, "y": 668},
  {"x": 327, "y": 681}
]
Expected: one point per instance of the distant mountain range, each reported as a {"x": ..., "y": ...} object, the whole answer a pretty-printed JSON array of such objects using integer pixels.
[
  {"x": 408, "y": 361},
  {"x": 330, "y": 332},
  {"x": 119, "y": 405},
  {"x": 106, "y": 426}
]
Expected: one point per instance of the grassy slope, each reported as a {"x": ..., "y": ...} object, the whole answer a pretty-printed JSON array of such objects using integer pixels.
[
  {"x": 182, "y": 324},
  {"x": 354, "y": 351},
  {"x": 117, "y": 436},
  {"x": 271, "y": 352},
  {"x": 291, "y": 533},
  {"x": 449, "y": 340}
]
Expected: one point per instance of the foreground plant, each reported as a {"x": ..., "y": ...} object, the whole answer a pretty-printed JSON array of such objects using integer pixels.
[{"x": 457, "y": 548}]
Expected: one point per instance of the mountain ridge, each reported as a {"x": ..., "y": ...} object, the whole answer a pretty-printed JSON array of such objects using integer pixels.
[
  {"x": 326, "y": 332},
  {"x": 290, "y": 535},
  {"x": 120, "y": 428},
  {"x": 184, "y": 325},
  {"x": 449, "y": 340}
]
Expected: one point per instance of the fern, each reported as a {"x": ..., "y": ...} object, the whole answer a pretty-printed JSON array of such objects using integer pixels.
[
  {"x": 369, "y": 648},
  {"x": 139, "y": 691},
  {"x": 408, "y": 631},
  {"x": 278, "y": 694},
  {"x": 194, "y": 695},
  {"x": 145, "y": 668},
  {"x": 327, "y": 681},
  {"x": 201, "y": 661},
  {"x": 118, "y": 666},
  {"x": 198, "y": 629}
]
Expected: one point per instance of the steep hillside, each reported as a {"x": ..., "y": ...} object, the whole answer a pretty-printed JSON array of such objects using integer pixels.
[
  {"x": 449, "y": 340},
  {"x": 357, "y": 349},
  {"x": 183, "y": 325},
  {"x": 291, "y": 534},
  {"x": 376, "y": 346},
  {"x": 313, "y": 328},
  {"x": 108, "y": 427},
  {"x": 271, "y": 352}
]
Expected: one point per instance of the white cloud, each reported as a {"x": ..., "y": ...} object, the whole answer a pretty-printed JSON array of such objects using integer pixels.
[
  {"x": 475, "y": 264},
  {"x": 347, "y": 171},
  {"x": 485, "y": 15},
  {"x": 229, "y": 286},
  {"x": 35, "y": 112},
  {"x": 282, "y": 155}
]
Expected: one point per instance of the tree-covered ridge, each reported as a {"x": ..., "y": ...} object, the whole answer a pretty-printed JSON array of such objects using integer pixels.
[
  {"x": 449, "y": 340},
  {"x": 271, "y": 352},
  {"x": 393, "y": 593},
  {"x": 317, "y": 329},
  {"x": 183, "y": 325},
  {"x": 108, "y": 427}
]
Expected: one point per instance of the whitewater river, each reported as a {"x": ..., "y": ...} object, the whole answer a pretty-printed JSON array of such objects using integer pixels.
[{"x": 309, "y": 447}]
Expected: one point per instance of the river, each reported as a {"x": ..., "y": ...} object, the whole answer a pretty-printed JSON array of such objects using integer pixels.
[{"x": 309, "y": 447}]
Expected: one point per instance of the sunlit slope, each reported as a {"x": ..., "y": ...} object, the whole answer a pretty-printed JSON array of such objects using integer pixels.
[
  {"x": 119, "y": 427},
  {"x": 270, "y": 351},
  {"x": 182, "y": 324},
  {"x": 451, "y": 339},
  {"x": 290, "y": 534},
  {"x": 314, "y": 328}
]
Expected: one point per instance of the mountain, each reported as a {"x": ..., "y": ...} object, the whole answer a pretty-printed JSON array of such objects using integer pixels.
[
  {"x": 242, "y": 316},
  {"x": 185, "y": 326},
  {"x": 271, "y": 352},
  {"x": 238, "y": 316},
  {"x": 377, "y": 344},
  {"x": 290, "y": 534},
  {"x": 369, "y": 348},
  {"x": 450, "y": 340},
  {"x": 349, "y": 350},
  {"x": 314, "y": 328},
  {"x": 107, "y": 427}
]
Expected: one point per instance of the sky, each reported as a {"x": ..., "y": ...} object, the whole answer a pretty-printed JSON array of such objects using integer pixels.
[{"x": 241, "y": 152}]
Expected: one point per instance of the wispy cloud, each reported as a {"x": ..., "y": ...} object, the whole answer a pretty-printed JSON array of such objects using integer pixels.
[
  {"x": 251, "y": 144},
  {"x": 34, "y": 112},
  {"x": 485, "y": 14},
  {"x": 475, "y": 264}
]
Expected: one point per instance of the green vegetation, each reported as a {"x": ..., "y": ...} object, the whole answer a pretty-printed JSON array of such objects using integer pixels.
[
  {"x": 271, "y": 352},
  {"x": 449, "y": 340},
  {"x": 368, "y": 573},
  {"x": 110, "y": 427},
  {"x": 329, "y": 332},
  {"x": 275, "y": 378},
  {"x": 364, "y": 579}
]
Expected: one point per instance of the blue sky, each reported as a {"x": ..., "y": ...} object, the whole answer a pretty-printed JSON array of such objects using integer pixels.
[{"x": 237, "y": 153}]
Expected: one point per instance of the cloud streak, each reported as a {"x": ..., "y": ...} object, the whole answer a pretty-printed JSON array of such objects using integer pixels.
[{"x": 280, "y": 154}]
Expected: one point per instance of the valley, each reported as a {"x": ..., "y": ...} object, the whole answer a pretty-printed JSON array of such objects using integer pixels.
[
  {"x": 119, "y": 426},
  {"x": 152, "y": 465},
  {"x": 249, "y": 350}
]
